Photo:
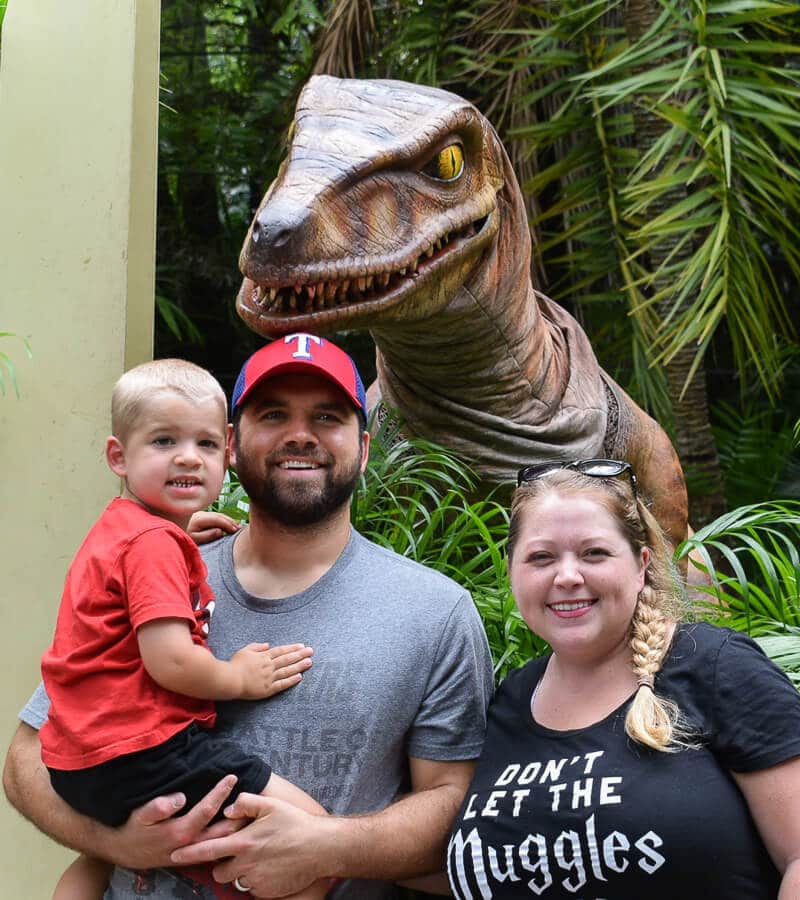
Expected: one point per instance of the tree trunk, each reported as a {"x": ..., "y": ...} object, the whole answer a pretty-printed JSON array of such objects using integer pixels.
[{"x": 694, "y": 440}]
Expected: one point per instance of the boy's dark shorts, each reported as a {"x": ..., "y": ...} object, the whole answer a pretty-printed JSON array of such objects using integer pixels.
[{"x": 192, "y": 762}]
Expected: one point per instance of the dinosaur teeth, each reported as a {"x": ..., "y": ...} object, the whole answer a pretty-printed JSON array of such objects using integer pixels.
[{"x": 304, "y": 297}]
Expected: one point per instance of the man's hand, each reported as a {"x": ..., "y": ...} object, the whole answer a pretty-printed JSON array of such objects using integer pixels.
[
  {"x": 205, "y": 526},
  {"x": 282, "y": 851},
  {"x": 266, "y": 670},
  {"x": 145, "y": 841},
  {"x": 154, "y": 830},
  {"x": 285, "y": 848}
]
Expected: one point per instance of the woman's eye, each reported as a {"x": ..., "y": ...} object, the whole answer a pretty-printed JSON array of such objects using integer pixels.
[
  {"x": 447, "y": 165},
  {"x": 539, "y": 558},
  {"x": 597, "y": 551}
]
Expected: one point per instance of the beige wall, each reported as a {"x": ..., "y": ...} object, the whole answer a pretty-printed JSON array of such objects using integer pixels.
[{"x": 78, "y": 122}]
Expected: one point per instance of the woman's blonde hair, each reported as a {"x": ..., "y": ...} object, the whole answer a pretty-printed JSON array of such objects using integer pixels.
[
  {"x": 139, "y": 386},
  {"x": 651, "y": 720}
]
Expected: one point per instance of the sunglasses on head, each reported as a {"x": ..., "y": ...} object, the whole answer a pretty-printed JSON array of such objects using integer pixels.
[{"x": 594, "y": 468}]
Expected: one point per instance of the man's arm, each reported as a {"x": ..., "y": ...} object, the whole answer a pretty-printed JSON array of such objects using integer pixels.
[
  {"x": 145, "y": 841},
  {"x": 285, "y": 849}
]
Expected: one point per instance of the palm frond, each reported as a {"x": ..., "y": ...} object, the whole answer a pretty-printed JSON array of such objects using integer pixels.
[
  {"x": 731, "y": 120},
  {"x": 345, "y": 42},
  {"x": 755, "y": 581},
  {"x": 756, "y": 451}
]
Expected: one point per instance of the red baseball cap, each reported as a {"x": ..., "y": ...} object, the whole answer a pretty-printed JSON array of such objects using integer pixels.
[{"x": 304, "y": 353}]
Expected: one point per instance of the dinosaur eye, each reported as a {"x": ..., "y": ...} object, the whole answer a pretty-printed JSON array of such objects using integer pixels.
[{"x": 447, "y": 165}]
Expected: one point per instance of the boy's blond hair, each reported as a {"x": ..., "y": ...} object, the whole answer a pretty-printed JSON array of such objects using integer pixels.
[{"x": 140, "y": 385}]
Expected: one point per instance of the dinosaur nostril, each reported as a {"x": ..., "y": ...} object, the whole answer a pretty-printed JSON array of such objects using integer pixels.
[
  {"x": 282, "y": 237},
  {"x": 271, "y": 234}
]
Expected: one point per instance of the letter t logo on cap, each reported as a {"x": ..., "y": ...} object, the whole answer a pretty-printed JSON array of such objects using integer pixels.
[{"x": 303, "y": 340}]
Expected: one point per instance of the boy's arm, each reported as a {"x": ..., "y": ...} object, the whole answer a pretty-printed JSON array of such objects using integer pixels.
[
  {"x": 147, "y": 838},
  {"x": 173, "y": 660}
]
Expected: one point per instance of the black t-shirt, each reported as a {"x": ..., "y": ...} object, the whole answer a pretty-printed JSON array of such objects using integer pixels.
[{"x": 591, "y": 815}]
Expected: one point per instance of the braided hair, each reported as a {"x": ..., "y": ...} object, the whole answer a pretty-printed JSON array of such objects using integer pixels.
[{"x": 651, "y": 720}]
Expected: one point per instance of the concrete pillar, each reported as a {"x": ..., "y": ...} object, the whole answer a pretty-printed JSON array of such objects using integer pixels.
[{"x": 78, "y": 148}]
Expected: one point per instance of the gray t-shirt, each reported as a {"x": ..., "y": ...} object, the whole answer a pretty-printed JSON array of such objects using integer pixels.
[{"x": 401, "y": 668}]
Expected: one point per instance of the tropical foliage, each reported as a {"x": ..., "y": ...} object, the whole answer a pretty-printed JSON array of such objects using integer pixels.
[{"x": 752, "y": 555}]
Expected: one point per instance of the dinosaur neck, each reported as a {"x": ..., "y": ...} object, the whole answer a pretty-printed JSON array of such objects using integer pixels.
[{"x": 483, "y": 347}]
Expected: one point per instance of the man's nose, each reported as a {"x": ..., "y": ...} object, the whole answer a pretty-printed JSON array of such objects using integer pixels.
[{"x": 300, "y": 430}]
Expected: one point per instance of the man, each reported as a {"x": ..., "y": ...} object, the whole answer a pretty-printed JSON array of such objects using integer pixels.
[{"x": 385, "y": 725}]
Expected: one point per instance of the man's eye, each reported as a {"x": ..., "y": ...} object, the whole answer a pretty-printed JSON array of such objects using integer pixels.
[{"x": 447, "y": 165}]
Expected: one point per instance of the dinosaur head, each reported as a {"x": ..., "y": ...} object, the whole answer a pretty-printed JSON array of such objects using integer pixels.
[{"x": 385, "y": 203}]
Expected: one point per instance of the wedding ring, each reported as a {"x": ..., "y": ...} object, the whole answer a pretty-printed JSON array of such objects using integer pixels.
[{"x": 239, "y": 886}]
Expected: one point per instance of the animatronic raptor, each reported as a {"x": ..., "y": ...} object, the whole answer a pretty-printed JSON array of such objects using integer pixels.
[{"x": 397, "y": 210}]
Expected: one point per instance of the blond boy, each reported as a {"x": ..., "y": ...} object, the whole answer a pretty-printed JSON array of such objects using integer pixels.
[{"x": 131, "y": 680}]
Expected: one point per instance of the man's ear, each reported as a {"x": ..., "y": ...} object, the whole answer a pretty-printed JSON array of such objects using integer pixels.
[
  {"x": 115, "y": 457},
  {"x": 365, "y": 436}
]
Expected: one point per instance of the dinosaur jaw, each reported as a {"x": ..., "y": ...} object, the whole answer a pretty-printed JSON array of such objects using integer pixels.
[{"x": 309, "y": 301}]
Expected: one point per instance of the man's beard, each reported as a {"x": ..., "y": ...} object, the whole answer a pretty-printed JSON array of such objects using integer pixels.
[{"x": 300, "y": 503}]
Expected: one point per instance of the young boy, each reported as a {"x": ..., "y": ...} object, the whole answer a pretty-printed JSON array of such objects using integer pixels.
[{"x": 130, "y": 678}]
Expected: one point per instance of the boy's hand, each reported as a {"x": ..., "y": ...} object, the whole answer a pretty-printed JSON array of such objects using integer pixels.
[
  {"x": 205, "y": 526},
  {"x": 266, "y": 670}
]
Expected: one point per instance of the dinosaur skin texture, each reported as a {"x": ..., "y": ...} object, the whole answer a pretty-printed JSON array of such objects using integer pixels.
[{"x": 397, "y": 211}]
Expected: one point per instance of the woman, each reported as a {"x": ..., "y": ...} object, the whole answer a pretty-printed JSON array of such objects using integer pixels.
[{"x": 644, "y": 757}]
